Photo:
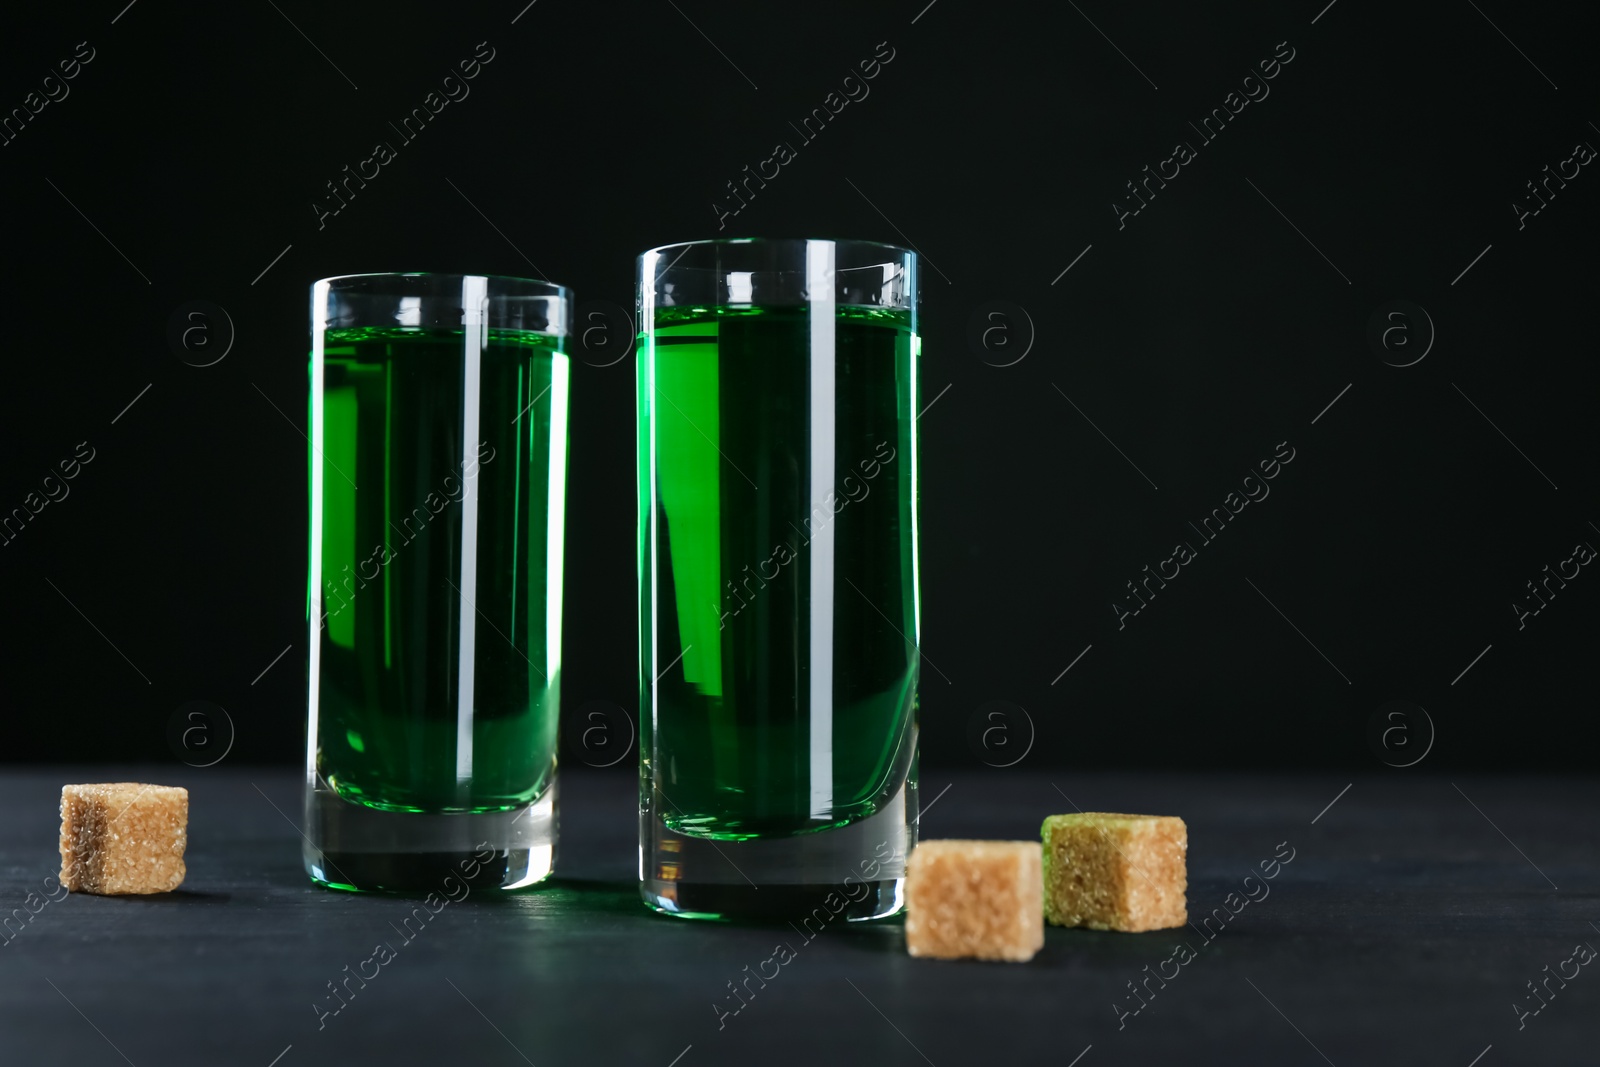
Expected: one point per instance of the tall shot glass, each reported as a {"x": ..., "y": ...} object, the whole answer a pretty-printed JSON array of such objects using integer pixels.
[
  {"x": 438, "y": 463},
  {"x": 779, "y": 613}
]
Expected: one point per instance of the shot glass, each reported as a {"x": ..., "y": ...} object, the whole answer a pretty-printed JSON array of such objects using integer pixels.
[
  {"x": 779, "y": 617},
  {"x": 438, "y": 463}
]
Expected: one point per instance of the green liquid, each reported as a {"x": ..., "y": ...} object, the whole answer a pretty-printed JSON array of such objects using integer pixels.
[
  {"x": 390, "y": 727},
  {"x": 730, "y": 522}
]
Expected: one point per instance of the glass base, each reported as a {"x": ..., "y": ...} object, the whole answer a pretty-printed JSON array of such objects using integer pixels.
[
  {"x": 353, "y": 847},
  {"x": 851, "y": 874}
]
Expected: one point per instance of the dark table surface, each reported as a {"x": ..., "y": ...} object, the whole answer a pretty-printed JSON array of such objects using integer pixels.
[{"x": 1404, "y": 930}]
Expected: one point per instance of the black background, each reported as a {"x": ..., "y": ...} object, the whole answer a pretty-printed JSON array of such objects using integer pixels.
[{"x": 1196, "y": 338}]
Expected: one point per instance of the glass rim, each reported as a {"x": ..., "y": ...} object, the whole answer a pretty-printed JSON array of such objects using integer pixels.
[
  {"x": 775, "y": 242},
  {"x": 561, "y": 291}
]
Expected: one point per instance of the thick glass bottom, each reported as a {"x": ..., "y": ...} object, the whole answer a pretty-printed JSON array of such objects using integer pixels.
[
  {"x": 349, "y": 846},
  {"x": 852, "y": 874}
]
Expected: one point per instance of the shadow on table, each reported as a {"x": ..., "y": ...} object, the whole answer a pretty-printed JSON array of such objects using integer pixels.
[{"x": 176, "y": 898}]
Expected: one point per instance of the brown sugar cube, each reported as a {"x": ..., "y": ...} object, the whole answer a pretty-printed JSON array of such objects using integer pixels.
[
  {"x": 979, "y": 899},
  {"x": 123, "y": 837},
  {"x": 1115, "y": 872}
]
